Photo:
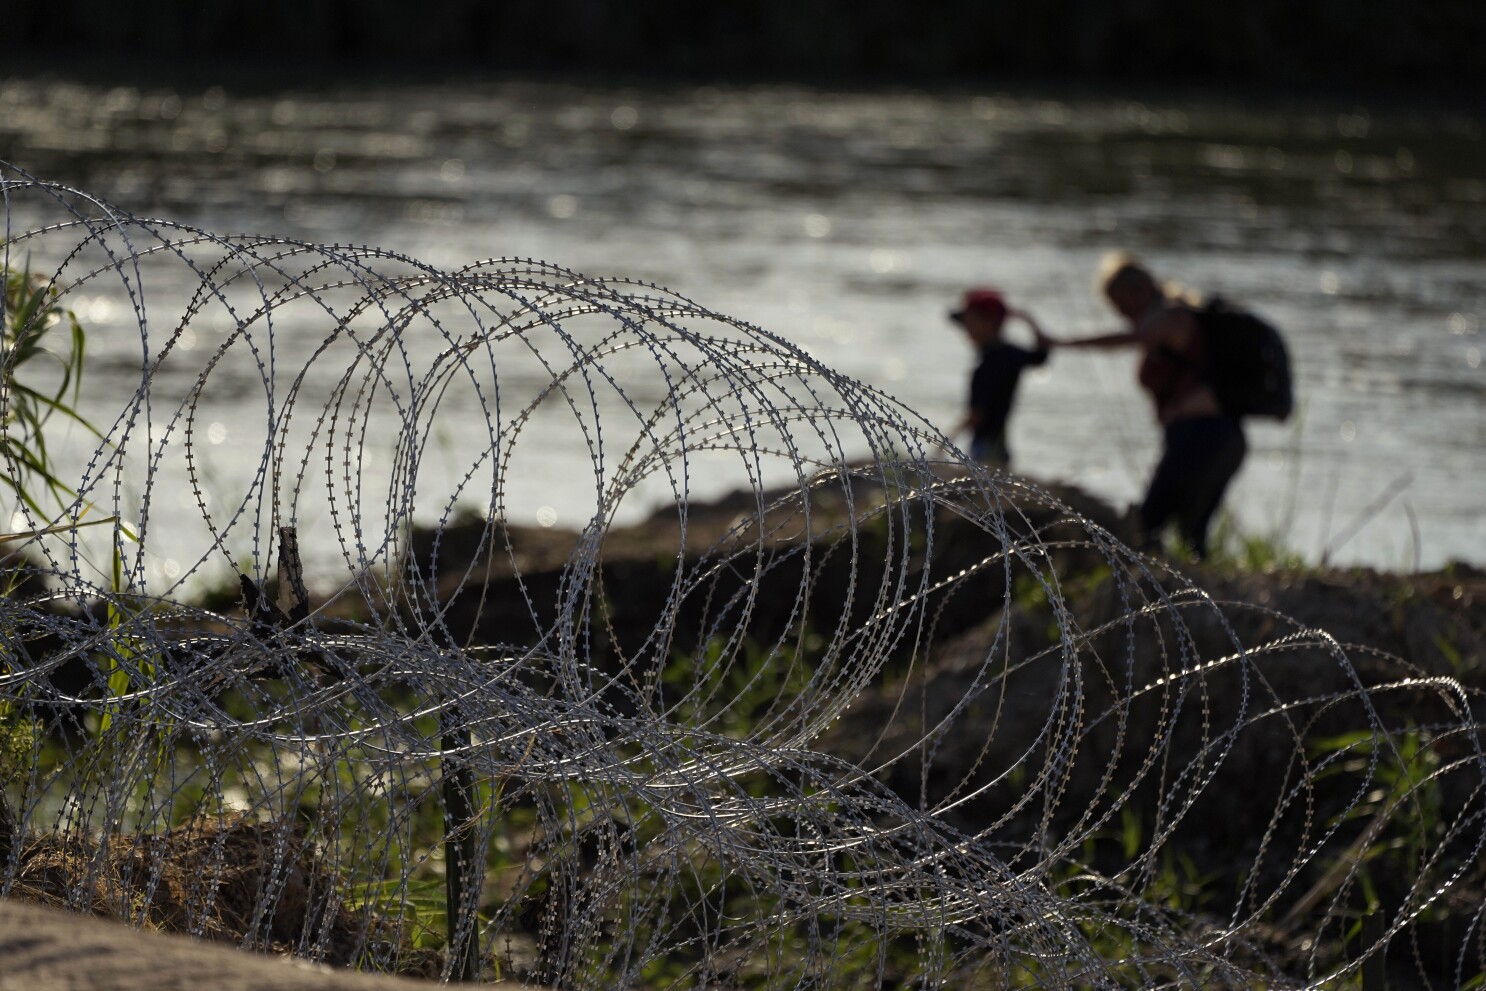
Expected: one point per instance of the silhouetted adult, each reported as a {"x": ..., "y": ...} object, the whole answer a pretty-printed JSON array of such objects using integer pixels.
[
  {"x": 1203, "y": 446},
  {"x": 994, "y": 381}
]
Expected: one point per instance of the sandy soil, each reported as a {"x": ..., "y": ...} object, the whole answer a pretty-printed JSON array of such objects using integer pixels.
[{"x": 45, "y": 949}]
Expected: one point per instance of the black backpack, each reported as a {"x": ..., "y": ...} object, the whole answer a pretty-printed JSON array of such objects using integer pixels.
[{"x": 1248, "y": 366}]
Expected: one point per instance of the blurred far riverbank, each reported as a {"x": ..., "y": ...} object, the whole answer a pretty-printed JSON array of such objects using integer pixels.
[{"x": 849, "y": 222}]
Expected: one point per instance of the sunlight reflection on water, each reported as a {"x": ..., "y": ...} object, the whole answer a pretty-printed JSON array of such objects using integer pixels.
[{"x": 849, "y": 222}]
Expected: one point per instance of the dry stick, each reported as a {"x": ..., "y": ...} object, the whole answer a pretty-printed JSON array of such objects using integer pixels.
[
  {"x": 291, "y": 573},
  {"x": 1408, "y": 511},
  {"x": 1367, "y": 515},
  {"x": 463, "y": 876},
  {"x": 1340, "y": 870},
  {"x": 8, "y": 831}
]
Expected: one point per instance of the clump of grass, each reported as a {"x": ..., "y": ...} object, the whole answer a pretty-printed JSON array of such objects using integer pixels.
[
  {"x": 41, "y": 368},
  {"x": 35, "y": 331},
  {"x": 1230, "y": 547}
]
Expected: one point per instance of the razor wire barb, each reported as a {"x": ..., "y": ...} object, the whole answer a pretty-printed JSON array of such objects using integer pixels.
[{"x": 793, "y": 698}]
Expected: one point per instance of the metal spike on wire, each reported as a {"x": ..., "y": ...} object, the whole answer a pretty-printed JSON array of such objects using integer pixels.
[{"x": 795, "y": 697}]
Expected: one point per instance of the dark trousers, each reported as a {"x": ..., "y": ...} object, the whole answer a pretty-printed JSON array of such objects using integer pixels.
[
  {"x": 991, "y": 450},
  {"x": 1201, "y": 456}
]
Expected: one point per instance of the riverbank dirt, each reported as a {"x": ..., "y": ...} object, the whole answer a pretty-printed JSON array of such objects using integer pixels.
[
  {"x": 1401, "y": 636},
  {"x": 48, "y": 949}
]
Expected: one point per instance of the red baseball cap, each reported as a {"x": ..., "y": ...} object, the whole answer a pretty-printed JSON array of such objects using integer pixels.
[{"x": 987, "y": 301}]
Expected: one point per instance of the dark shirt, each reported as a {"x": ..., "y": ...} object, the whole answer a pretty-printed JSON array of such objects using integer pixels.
[{"x": 993, "y": 386}]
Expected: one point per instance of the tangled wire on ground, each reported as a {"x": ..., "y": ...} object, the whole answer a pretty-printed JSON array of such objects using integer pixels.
[{"x": 875, "y": 717}]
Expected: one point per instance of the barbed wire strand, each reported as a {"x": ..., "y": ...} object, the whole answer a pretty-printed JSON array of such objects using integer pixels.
[{"x": 799, "y": 700}]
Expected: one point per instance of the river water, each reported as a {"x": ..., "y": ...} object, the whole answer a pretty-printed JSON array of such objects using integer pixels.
[{"x": 850, "y": 222}]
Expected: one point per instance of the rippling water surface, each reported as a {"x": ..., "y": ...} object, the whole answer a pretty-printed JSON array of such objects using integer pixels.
[{"x": 849, "y": 223}]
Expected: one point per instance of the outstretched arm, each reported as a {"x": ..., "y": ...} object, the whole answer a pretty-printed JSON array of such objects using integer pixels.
[
  {"x": 1118, "y": 339},
  {"x": 1122, "y": 338}
]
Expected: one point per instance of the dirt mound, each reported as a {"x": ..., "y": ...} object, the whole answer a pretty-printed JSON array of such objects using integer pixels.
[
  {"x": 42, "y": 949},
  {"x": 227, "y": 879}
]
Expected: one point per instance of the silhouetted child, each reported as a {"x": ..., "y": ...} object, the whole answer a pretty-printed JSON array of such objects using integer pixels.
[{"x": 993, "y": 383}]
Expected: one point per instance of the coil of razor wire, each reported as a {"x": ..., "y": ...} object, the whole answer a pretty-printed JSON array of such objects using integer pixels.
[{"x": 299, "y": 658}]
